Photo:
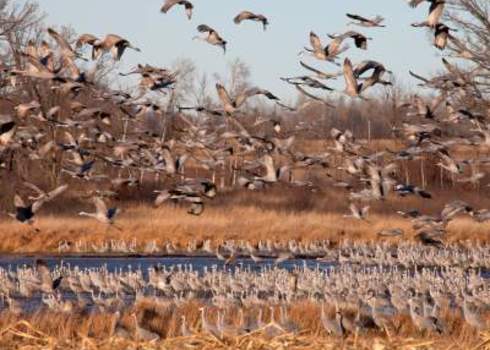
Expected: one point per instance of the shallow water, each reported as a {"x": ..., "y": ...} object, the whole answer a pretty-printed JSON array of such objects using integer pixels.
[
  {"x": 144, "y": 263},
  {"x": 197, "y": 264}
]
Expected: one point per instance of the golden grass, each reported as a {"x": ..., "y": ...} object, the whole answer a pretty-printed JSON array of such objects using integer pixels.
[
  {"x": 145, "y": 224},
  {"x": 47, "y": 330}
]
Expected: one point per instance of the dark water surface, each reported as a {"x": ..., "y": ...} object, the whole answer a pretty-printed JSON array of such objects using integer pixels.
[{"x": 144, "y": 263}]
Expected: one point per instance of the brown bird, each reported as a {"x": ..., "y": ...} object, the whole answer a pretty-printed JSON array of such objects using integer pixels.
[
  {"x": 360, "y": 40},
  {"x": 352, "y": 87},
  {"x": 441, "y": 35},
  {"x": 436, "y": 10},
  {"x": 66, "y": 49},
  {"x": 366, "y": 22},
  {"x": 212, "y": 38},
  {"x": 247, "y": 15},
  {"x": 230, "y": 105},
  {"x": 86, "y": 39},
  {"x": 329, "y": 52},
  {"x": 171, "y": 3},
  {"x": 113, "y": 43}
]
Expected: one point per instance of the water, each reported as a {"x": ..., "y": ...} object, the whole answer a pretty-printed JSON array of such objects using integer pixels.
[{"x": 198, "y": 264}]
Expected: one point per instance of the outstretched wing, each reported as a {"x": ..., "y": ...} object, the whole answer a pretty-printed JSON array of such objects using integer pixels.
[
  {"x": 415, "y": 3},
  {"x": 318, "y": 72},
  {"x": 19, "y": 202},
  {"x": 243, "y": 16},
  {"x": 315, "y": 42},
  {"x": 258, "y": 91},
  {"x": 34, "y": 188},
  {"x": 62, "y": 43},
  {"x": 168, "y": 5},
  {"x": 86, "y": 39},
  {"x": 100, "y": 206},
  {"x": 56, "y": 192},
  {"x": 350, "y": 80},
  {"x": 425, "y": 80},
  {"x": 223, "y": 95},
  {"x": 357, "y": 17},
  {"x": 203, "y": 28},
  {"x": 313, "y": 97}
]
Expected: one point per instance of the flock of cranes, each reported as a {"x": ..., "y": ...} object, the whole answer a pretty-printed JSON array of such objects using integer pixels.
[
  {"x": 91, "y": 143},
  {"x": 366, "y": 295},
  {"x": 86, "y": 136}
]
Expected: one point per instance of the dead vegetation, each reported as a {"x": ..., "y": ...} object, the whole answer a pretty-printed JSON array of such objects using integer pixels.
[
  {"x": 274, "y": 214},
  {"x": 92, "y": 331}
]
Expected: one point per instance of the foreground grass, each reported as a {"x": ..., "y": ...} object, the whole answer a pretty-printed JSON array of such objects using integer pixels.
[{"x": 48, "y": 330}]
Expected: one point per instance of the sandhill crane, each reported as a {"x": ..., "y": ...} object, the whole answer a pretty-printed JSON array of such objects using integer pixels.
[
  {"x": 171, "y": 3},
  {"x": 436, "y": 10},
  {"x": 454, "y": 208},
  {"x": 230, "y": 105},
  {"x": 366, "y": 22},
  {"x": 142, "y": 334},
  {"x": 271, "y": 174},
  {"x": 422, "y": 322},
  {"x": 307, "y": 81},
  {"x": 352, "y": 88},
  {"x": 113, "y": 43},
  {"x": 357, "y": 213},
  {"x": 25, "y": 213},
  {"x": 86, "y": 39},
  {"x": 429, "y": 238},
  {"x": 376, "y": 76},
  {"x": 36, "y": 69},
  {"x": 117, "y": 329},
  {"x": 197, "y": 205},
  {"x": 212, "y": 37},
  {"x": 360, "y": 40},
  {"x": 405, "y": 189},
  {"x": 365, "y": 66},
  {"x": 184, "y": 330},
  {"x": 102, "y": 213},
  {"x": 192, "y": 191},
  {"x": 226, "y": 329},
  {"x": 442, "y": 35},
  {"x": 318, "y": 73},
  {"x": 65, "y": 47},
  {"x": 289, "y": 325},
  {"x": 42, "y": 195},
  {"x": 471, "y": 314},
  {"x": 313, "y": 97},
  {"x": 47, "y": 283},
  {"x": 329, "y": 52},
  {"x": 207, "y": 327},
  {"x": 450, "y": 164},
  {"x": 250, "y": 16},
  {"x": 334, "y": 325}
]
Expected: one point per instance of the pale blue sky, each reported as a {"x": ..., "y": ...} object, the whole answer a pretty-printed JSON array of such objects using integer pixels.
[{"x": 270, "y": 54}]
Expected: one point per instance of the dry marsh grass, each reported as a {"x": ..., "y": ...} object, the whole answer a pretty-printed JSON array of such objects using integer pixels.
[
  {"x": 142, "y": 224},
  {"x": 278, "y": 213},
  {"x": 47, "y": 330}
]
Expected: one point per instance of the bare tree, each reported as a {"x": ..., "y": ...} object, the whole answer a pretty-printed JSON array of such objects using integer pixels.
[
  {"x": 18, "y": 24},
  {"x": 471, "y": 43}
]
